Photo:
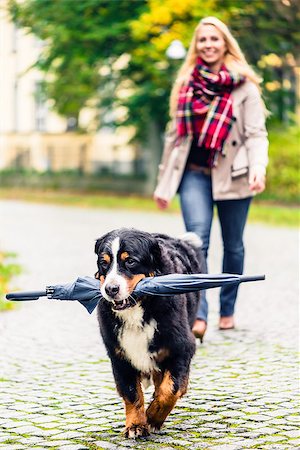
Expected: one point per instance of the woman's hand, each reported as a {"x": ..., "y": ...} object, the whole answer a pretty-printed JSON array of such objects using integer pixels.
[
  {"x": 161, "y": 203},
  {"x": 257, "y": 179}
]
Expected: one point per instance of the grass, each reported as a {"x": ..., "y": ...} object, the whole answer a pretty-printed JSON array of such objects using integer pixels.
[
  {"x": 8, "y": 269},
  {"x": 270, "y": 213}
]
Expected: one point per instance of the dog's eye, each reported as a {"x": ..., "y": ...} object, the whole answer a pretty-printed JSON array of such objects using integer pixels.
[
  {"x": 104, "y": 264},
  {"x": 130, "y": 262}
]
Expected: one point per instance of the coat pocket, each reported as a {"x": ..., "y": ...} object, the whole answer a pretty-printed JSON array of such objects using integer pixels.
[
  {"x": 168, "y": 180},
  {"x": 240, "y": 165},
  {"x": 171, "y": 171}
]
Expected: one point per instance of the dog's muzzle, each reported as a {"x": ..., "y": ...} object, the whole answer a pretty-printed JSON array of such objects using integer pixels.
[{"x": 113, "y": 294}]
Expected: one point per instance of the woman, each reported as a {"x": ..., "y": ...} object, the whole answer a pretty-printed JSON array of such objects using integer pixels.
[{"x": 216, "y": 151}]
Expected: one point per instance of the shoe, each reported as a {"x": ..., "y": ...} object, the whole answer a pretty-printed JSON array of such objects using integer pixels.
[
  {"x": 199, "y": 329},
  {"x": 226, "y": 323}
]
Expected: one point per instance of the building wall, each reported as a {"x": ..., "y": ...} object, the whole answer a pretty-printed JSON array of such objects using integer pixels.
[
  {"x": 18, "y": 107},
  {"x": 31, "y": 134}
]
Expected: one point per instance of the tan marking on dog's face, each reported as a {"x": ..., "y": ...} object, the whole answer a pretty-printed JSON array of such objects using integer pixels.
[
  {"x": 132, "y": 282},
  {"x": 124, "y": 255},
  {"x": 106, "y": 257}
]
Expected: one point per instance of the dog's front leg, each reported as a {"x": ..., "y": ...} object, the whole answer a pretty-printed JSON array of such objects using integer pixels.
[{"x": 128, "y": 384}]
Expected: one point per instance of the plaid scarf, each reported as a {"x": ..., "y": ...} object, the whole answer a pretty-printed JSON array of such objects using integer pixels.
[{"x": 205, "y": 107}]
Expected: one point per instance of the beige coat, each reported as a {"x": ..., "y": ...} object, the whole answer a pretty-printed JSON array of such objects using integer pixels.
[{"x": 246, "y": 147}]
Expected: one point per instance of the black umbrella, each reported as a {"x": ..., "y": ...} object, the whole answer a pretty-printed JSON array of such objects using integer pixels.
[{"x": 86, "y": 290}]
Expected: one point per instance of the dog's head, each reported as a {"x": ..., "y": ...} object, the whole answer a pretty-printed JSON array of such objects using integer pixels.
[{"x": 125, "y": 256}]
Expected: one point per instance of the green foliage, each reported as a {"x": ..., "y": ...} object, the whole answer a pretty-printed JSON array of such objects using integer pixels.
[
  {"x": 266, "y": 28},
  {"x": 112, "y": 54},
  {"x": 8, "y": 269},
  {"x": 83, "y": 37},
  {"x": 283, "y": 174},
  {"x": 73, "y": 180},
  {"x": 255, "y": 22}
]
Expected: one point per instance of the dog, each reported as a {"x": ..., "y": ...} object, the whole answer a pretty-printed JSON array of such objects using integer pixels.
[{"x": 149, "y": 338}]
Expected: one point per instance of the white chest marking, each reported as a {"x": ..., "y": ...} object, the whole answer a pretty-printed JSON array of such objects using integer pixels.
[{"x": 134, "y": 338}]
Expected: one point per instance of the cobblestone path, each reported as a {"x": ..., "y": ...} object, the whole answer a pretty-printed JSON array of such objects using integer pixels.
[{"x": 56, "y": 386}]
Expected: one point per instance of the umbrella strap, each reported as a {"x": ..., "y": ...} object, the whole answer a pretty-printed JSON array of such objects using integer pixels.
[{"x": 49, "y": 291}]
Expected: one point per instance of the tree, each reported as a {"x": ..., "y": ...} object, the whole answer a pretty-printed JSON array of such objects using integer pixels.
[
  {"x": 85, "y": 40},
  {"x": 269, "y": 34},
  {"x": 111, "y": 54}
]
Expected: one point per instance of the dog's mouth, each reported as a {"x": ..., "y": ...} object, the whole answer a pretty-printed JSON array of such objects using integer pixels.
[{"x": 120, "y": 305}]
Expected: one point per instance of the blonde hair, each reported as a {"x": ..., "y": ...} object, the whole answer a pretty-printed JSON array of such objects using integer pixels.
[{"x": 234, "y": 60}]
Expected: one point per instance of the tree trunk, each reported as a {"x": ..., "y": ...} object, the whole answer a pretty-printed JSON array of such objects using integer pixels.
[{"x": 153, "y": 152}]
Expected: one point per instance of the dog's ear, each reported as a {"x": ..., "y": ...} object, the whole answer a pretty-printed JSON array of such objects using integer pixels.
[
  {"x": 156, "y": 258},
  {"x": 97, "y": 246},
  {"x": 97, "y": 275}
]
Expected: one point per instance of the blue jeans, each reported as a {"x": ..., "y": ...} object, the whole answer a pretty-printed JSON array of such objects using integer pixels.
[{"x": 197, "y": 207}]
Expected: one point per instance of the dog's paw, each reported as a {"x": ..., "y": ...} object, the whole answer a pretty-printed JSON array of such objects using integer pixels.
[
  {"x": 154, "y": 428},
  {"x": 137, "y": 431},
  {"x": 154, "y": 424}
]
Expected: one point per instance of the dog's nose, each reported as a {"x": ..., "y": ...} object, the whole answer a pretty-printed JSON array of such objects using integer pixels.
[{"x": 112, "y": 290}]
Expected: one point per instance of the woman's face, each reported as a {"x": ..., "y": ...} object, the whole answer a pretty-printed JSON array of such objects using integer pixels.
[{"x": 210, "y": 46}]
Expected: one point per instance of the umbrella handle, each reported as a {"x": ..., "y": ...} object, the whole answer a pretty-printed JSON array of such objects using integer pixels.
[{"x": 20, "y": 296}]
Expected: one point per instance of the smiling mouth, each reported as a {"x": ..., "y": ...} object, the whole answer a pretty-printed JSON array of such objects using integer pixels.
[{"x": 120, "y": 305}]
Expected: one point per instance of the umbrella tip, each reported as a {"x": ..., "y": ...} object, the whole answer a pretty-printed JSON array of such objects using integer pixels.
[{"x": 245, "y": 278}]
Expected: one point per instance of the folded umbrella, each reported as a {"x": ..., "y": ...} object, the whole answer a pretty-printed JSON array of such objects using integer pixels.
[{"x": 86, "y": 290}]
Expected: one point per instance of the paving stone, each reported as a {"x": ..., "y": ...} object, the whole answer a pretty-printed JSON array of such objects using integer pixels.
[
  {"x": 31, "y": 440},
  {"x": 73, "y": 447},
  {"x": 268, "y": 430},
  {"x": 224, "y": 447},
  {"x": 68, "y": 435},
  {"x": 295, "y": 419},
  {"x": 279, "y": 421},
  {"x": 277, "y": 438},
  {"x": 11, "y": 446},
  {"x": 106, "y": 444},
  {"x": 60, "y": 391},
  {"x": 258, "y": 418},
  {"x": 29, "y": 429},
  {"x": 56, "y": 443},
  {"x": 292, "y": 434}
]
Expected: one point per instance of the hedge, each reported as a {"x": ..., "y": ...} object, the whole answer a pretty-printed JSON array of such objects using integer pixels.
[{"x": 283, "y": 175}]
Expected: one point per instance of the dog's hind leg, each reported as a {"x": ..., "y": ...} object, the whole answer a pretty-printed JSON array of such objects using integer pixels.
[{"x": 165, "y": 397}]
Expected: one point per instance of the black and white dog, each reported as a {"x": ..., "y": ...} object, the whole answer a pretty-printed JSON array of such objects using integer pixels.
[{"x": 150, "y": 338}]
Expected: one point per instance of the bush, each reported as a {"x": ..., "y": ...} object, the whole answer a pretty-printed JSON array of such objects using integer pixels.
[
  {"x": 8, "y": 270},
  {"x": 72, "y": 180},
  {"x": 283, "y": 171}
]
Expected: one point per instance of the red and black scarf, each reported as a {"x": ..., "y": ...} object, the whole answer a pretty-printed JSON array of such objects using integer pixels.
[{"x": 205, "y": 107}]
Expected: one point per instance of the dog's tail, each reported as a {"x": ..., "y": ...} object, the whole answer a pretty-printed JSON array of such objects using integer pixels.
[{"x": 192, "y": 238}]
